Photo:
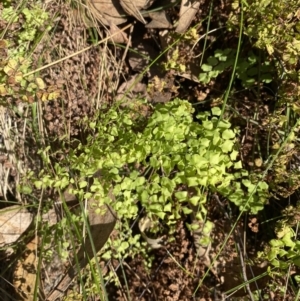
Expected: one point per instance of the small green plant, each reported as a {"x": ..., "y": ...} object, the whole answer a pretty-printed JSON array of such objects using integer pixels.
[
  {"x": 284, "y": 250},
  {"x": 179, "y": 56},
  {"x": 249, "y": 69},
  {"x": 174, "y": 62}
]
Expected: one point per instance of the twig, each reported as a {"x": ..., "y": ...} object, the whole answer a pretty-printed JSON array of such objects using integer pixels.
[{"x": 244, "y": 271}]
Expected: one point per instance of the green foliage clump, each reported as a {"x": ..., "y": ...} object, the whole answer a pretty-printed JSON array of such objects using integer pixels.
[
  {"x": 165, "y": 166},
  {"x": 32, "y": 24},
  {"x": 35, "y": 19},
  {"x": 249, "y": 69},
  {"x": 273, "y": 26}
]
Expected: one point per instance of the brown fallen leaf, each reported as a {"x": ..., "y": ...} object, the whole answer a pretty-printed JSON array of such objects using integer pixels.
[
  {"x": 25, "y": 273},
  {"x": 132, "y": 10},
  {"x": 14, "y": 221},
  {"x": 134, "y": 7},
  {"x": 101, "y": 226},
  {"x": 107, "y": 12},
  {"x": 159, "y": 20},
  {"x": 137, "y": 4},
  {"x": 188, "y": 10},
  {"x": 117, "y": 36},
  {"x": 131, "y": 89}
]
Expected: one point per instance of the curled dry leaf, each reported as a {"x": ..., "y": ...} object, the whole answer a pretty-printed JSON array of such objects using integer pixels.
[
  {"x": 133, "y": 8},
  {"x": 107, "y": 12},
  {"x": 137, "y": 4},
  {"x": 254, "y": 225},
  {"x": 111, "y": 14},
  {"x": 145, "y": 224},
  {"x": 14, "y": 221}
]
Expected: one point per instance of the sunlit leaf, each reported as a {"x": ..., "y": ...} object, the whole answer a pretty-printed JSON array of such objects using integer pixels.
[
  {"x": 40, "y": 83},
  {"x": 11, "y": 67},
  {"x": 206, "y": 67}
]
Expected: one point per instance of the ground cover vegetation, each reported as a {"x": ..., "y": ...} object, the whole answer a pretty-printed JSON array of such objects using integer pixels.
[{"x": 158, "y": 160}]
